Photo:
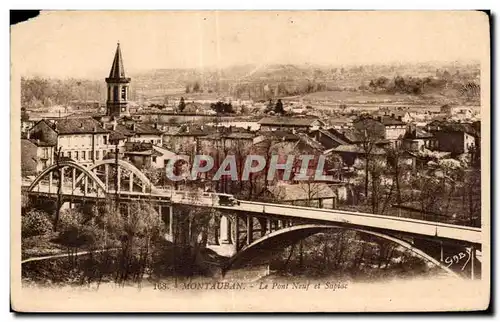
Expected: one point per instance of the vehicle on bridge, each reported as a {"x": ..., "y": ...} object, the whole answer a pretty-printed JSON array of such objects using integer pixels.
[{"x": 227, "y": 200}]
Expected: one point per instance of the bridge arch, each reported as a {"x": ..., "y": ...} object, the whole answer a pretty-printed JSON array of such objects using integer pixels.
[
  {"x": 71, "y": 165},
  {"x": 299, "y": 232},
  {"x": 144, "y": 180}
]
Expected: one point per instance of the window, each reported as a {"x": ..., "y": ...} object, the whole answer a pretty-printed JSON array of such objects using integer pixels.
[
  {"x": 97, "y": 155},
  {"x": 154, "y": 159},
  {"x": 124, "y": 93},
  {"x": 83, "y": 155},
  {"x": 105, "y": 139},
  {"x": 69, "y": 154},
  {"x": 76, "y": 155}
]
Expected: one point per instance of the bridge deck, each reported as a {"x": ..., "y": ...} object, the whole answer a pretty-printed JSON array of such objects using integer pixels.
[
  {"x": 398, "y": 224},
  {"x": 406, "y": 225}
]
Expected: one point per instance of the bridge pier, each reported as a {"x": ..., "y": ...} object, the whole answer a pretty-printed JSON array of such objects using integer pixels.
[
  {"x": 236, "y": 226},
  {"x": 262, "y": 222},
  {"x": 73, "y": 180},
  {"x": 61, "y": 179},
  {"x": 50, "y": 182},
  {"x": 168, "y": 220},
  {"x": 225, "y": 230},
  {"x": 249, "y": 229},
  {"x": 106, "y": 176},
  {"x": 118, "y": 179}
]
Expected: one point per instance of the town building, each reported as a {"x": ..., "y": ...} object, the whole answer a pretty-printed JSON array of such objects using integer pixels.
[
  {"x": 381, "y": 127},
  {"x": 456, "y": 138},
  {"x": 417, "y": 138},
  {"x": 35, "y": 156},
  {"x": 186, "y": 139},
  {"x": 147, "y": 155},
  {"x": 329, "y": 138},
  {"x": 227, "y": 139},
  {"x": 83, "y": 140},
  {"x": 302, "y": 124}
]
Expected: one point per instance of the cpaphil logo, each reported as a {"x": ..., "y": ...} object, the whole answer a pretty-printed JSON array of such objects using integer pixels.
[{"x": 179, "y": 167}]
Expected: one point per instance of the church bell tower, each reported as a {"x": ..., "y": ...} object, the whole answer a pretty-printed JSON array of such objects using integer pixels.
[{"x": 118, "y": 88}]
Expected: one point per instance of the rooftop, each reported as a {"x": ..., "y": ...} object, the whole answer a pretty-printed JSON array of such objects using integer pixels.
[
  {"x": 117, "y": 69},
  {"x": 418, "y": 133},
  {"x": 78, "y": 126},
  {"x": 387, "y": 120},
  {"x": 130, "y": 129},
  {"x": 289, "y": 121},
  {"x": 280, "y": 136},
  {"x": 231, "y": 136},
  {"x": 351, "y": 148}
]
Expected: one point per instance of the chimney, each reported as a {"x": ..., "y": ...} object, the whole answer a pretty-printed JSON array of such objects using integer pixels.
[{"x": 393, "y": 115}]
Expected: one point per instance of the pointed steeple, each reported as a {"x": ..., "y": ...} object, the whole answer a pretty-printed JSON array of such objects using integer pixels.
[
  {"x": 117, "y": 69},
  {"x": 118, "y": 87}
]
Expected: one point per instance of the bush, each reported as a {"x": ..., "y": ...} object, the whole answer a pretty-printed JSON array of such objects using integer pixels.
[
  {"x": 69, "y": 218},
  {"x": 76, "y": 232},
  {"x": 35, "y": 223}
]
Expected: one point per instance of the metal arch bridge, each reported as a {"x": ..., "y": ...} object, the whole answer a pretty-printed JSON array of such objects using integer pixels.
[
  {"x": 277, "y": 222},
  {"x": 132, "y": 184}
]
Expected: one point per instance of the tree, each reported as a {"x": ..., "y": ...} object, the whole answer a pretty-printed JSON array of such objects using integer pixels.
[
  {"x": 368, "y": 132},
  {"x": 222, "y": 108},
  {"x": 196, "y": 87},
  {"x": 182, "y": 105},
  {"x": 278, "y": 108},
  {"x": 395, "y": 155}
]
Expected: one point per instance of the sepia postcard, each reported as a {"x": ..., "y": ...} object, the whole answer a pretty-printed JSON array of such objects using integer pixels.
[{"x": 250, "y": 161}]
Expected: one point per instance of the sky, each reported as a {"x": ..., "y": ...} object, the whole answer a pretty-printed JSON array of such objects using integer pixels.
[{"x": 82, "y": 43}]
